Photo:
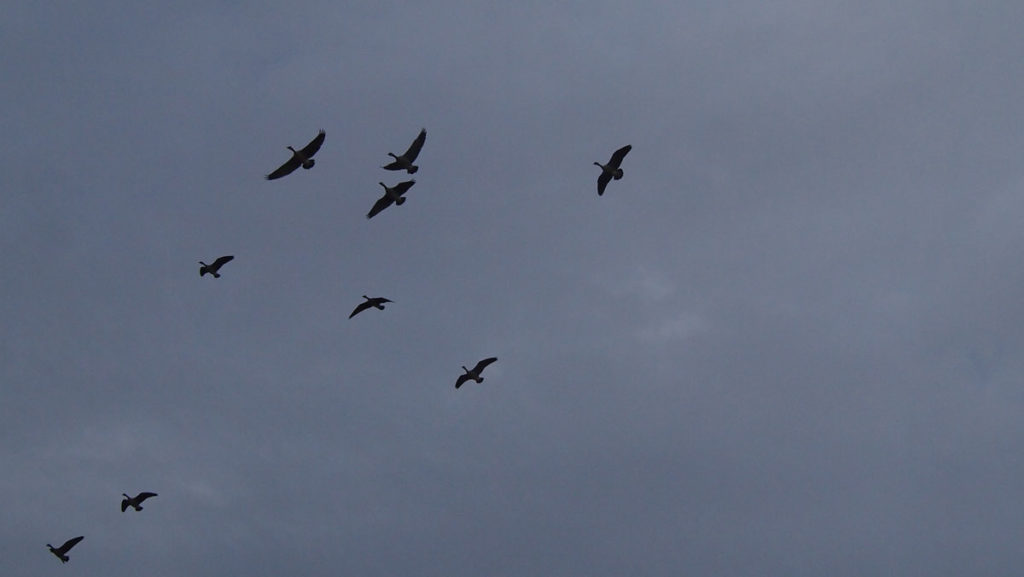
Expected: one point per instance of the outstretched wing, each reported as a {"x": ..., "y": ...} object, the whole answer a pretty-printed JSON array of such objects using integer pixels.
[
  {"x": 462, "y": 379},
  {"x": 414, "y": 148},
  {"x": 602, "y": 181},
  {"x": 403, "y": 187},
  {"x": 216, "y": 265},
  {"x": 362, "y": 307},
  {"x": 285, "y": 169},
  {"x": 145, "y": 494},
  {"x": 384, "y": 202},
  {"x": 314, "y": 145},
  {"x": 69, "y": 544},
  {"x": 483, "y": 364},
  {"x": 124, "y": 505},
  {"x": 618, "y": 155}
]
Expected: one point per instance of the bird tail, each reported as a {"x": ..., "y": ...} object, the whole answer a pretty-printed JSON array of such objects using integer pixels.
[
  {"x": 618, "y": 174},
  {"x": 216, "y": 275},
  {"x": 400, "y": 201},
  {"x": 412, "y": 169},
  {"x": 309, "y": 163}
]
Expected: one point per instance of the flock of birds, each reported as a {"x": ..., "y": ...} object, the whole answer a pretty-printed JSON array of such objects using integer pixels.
[
  {"x": 133, "y": 502},
  {"x": 392, "y": 195}
]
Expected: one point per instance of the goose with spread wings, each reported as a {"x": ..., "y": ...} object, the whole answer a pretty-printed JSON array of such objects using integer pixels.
[
  {"x": 405, "y": 162},
  {"x": 375, "y": 302},
  {"x": 392, "y": 195},
  {"x": 213, "y": 268},
  {"x": 303, "y": 158},
  {"x": 474, "y": 373},
  {"x": 136, "y": 501},
  {"x": 611, "y": 170},
  {"x": 62, "y": 551}
]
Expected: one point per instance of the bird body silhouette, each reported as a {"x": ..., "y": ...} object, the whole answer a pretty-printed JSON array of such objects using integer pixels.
[
  {"x": 375, "y": 302},
  {"x": 405, "y": 162},
  {"x": 136, "y": 501},
  {"x": 474, "y": 373},
  {"x": 392, "y": 195},
  {"x": 303, "y": 158},
  {"x": 62, "y": 551},
  {"x": 611, "y": 170},
  {"x": 213, "y": 268}
]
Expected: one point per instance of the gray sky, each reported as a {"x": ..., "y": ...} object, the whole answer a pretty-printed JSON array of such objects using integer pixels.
[{"x": 787, "y": 342}]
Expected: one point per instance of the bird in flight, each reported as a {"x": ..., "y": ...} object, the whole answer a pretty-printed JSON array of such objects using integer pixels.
[
  {"x": 62, "y": 551},
  {"x": 303, "y": 158},
  {"x": 213, "y": 268},
  {"x": 392, "y": 195},
  {"x": 611, "y": 170},
  {"x": 405, "y": 162},
  {"x": 136, "y": 501},
  {"x": 474, "y": 373},
  {"x": 375, "y": 302}
]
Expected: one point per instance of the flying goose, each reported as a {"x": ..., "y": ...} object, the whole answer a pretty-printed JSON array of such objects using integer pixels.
[
  {"x": 303, "y": 158},
  {"x": 377, "y": 302},
  {"x": 405, "y": 162},
  {"x": 213, "y": 268},
  {"x": 611, "y": 170},
  {"x": 135, "y": 502},
  {"x": 474, "y": 374},
  {"x": 391, "y": 195},
  {"x": 62, "y": 551}
]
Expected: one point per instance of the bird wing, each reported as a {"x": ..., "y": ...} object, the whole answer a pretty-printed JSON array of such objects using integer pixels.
[
  {"x": 379, "y": 300},
  {"x": 219, "y": 263},
  {"x": 362, "y": 306},
  {"x": 314, "y": 145},
  {"x": 483, "y": 364},
  {"x": 124, "y": 505},
  {"x": 285, "y": 169},
  {"x": 414, "y": 148},
  {"x": 402, "y": 187},
  {"x": 393, "y": 166},
  {"x": 462, "y": 379},
  {"x": 69, "y": 544},
  {"x": 618, "y": 155},
  {"x": 145, "y": 494},
  {"x": 382, "y": 203},
  {"x": 602, "y": 181}
]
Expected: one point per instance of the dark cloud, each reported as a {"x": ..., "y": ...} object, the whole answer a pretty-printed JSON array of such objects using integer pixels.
[{"x": 784, "y": 343}]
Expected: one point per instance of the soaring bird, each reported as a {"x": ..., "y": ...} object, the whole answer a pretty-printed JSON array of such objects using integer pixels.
[
  {"x": 611, "y": 170},
  {"x": 135, "y": 502},
  {"x": 377, "y": 302},
  {"x": 62, "y": 551},
  {"x": 213, "y": 268},
  {"x": 405, "y": 162},
  {"x": 391, "y": 195},
  {"x": 474, "y": 374},
  {"x": 303, "y": 158}
]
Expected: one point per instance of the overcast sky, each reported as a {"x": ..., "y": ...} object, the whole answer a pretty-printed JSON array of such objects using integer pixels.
[{"x": 786, "y": 343}]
